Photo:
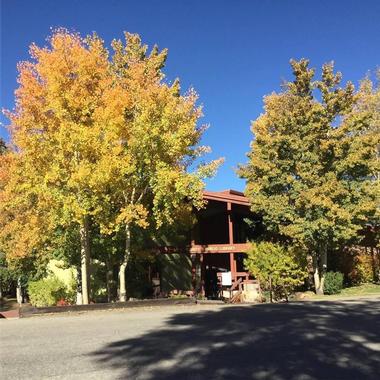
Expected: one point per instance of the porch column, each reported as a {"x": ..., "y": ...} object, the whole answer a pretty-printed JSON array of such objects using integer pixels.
[
  {"x": 196, "y": 287},
  {"x": 232, "y": 264},
  {"x": 193, "y": 258},
  {"x": 231, "y": 240},
  {"x": 202, "y": 276}
]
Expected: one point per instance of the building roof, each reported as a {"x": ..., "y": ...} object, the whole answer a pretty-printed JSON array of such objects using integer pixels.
[{"x": 232, "y": 196}]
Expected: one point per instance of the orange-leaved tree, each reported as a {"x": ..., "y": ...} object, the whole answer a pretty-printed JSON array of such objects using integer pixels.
[
  {"x": 105, "y": 139},
  {"x": 55, "y": 132}
]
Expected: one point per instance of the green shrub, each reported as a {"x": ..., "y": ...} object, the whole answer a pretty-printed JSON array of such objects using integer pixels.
[
  {"x": 71, "y": 294},
  {"x": 278, "y": 268},
  {"x": 333, "y": 283},
  {"x": 47, "y": 291}
]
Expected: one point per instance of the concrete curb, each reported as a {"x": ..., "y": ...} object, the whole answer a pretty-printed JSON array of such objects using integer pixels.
[
  {"x": 30, "y": 311},
  {"x": 210, "y": 302}
]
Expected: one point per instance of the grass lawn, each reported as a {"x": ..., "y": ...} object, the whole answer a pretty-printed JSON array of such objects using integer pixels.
[
  {"x": 364, "y": 289},
  {"x": 353, "y": 291}
]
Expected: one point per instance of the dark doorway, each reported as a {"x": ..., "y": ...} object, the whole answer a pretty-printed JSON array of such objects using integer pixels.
[{"x": 214, "y": 263}]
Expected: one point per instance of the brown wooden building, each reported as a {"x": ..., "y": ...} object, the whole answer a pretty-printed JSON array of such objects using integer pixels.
[{"x": 217, "y": 246}]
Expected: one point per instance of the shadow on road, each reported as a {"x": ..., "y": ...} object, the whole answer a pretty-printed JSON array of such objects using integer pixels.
[{"x": 324, "y": 340}]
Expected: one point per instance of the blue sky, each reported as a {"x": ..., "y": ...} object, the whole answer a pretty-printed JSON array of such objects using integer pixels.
[{"x": 233, "y": 52}]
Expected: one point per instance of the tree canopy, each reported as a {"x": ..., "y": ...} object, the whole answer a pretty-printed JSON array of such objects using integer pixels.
[
  {"x": 100, "y": 138},
  {"x": 312, "y": 161}
]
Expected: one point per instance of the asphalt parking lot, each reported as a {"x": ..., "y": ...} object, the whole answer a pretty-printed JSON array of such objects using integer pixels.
[{"x": 305, "y": 340}]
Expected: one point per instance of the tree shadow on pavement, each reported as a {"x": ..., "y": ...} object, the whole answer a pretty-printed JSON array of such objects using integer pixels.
[{"x": 309, "y": 340}]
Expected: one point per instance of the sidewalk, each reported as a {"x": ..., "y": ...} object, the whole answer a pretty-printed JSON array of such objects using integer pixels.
[{"x": 9, "y": 308}]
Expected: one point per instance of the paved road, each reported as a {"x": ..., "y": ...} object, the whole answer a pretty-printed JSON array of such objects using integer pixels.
[{"x": 310, "y": 340}]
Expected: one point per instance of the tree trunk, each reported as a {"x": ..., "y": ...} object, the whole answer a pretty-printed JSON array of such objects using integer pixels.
[
  {"x": 19, "y": 291},
  {"x": 320, "y": 266},
  {"x": 317, "y": 282},
  {"x": 85, "y": 258},
  {"x": 323, "y": 270},
  {"x": 374, "y": 266},
  {"x": 109, "y": 278},
  {"x": 310, "y": 271},
  {"x": 123, "y": 266},
  {"x": 79, "y": 287}
]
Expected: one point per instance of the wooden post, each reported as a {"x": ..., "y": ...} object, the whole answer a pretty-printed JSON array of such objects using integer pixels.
[
  {"x": 230, "y": 226},
  {"x": 202, "y": 276},
  {"x": 231, "y": 240},
  {"x": 193, "y": 258},
  {"x": 232, "y": 266}
]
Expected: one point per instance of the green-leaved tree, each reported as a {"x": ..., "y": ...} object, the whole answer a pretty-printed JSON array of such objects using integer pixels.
[{"x": 311, "y": 164}]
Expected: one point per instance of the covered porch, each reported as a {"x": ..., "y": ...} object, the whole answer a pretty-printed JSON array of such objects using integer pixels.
[{"x": 218, "y": 246}]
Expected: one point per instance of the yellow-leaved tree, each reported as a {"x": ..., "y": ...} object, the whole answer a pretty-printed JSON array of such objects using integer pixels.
[
  {"x": 55, "y": 133},
  {"x": 105, "y": 140},
  {"x": 152, "y": 140}
]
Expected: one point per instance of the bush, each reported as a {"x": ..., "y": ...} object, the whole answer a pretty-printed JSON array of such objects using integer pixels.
[
  {"x": 276, "y": 267},
  {"x": 47, "y": 291},
  {"x": 333, "y": 283},
  {"x": 364, "y": 267},
  {"x": 359, "y": 265}
]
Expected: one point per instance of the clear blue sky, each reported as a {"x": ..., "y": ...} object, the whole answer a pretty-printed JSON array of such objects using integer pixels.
[{"x": 232, "y": 51}]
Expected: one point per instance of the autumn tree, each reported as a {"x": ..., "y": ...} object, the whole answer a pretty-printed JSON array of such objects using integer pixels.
[
  {"x": 22, "y": 229},
  {"x": 152, "y": 140},
  {"x": 309, "y": 171},
  {"x": 368, "y": 106},
  {"x": 25, "y": 222},
  {"x": 55, "y": 130},
  {"x": 3, "y": 146},
  {"x": 101, "y": 139},
  {"x": 5, "y": 274}
]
